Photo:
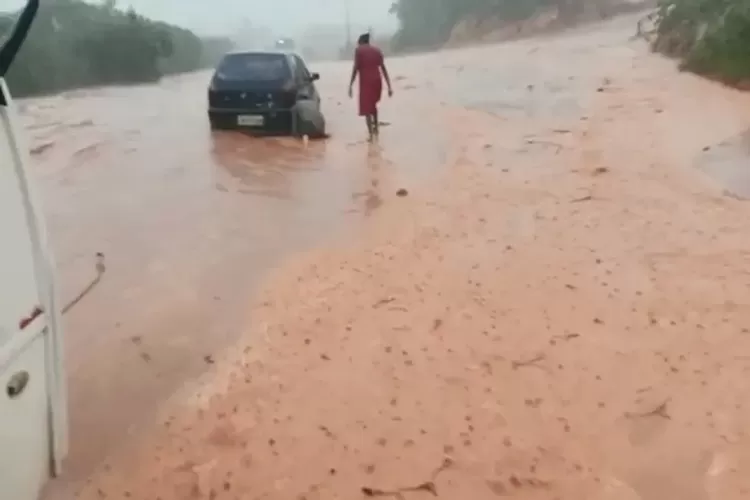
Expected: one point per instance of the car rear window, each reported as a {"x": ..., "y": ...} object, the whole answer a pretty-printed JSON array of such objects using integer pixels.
[{"x": 253, "y": 67}]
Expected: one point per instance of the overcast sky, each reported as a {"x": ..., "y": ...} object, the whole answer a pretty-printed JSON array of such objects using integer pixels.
[{"x": 221, "y": 16}]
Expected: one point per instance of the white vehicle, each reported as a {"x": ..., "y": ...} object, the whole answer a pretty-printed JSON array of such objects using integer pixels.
[{"x": 33, "y": 413}]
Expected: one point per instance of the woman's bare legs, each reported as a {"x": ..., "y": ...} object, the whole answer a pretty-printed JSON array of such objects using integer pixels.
[
  {"x": 370, "y": 127},
  {"x": 373, "y": 125}
]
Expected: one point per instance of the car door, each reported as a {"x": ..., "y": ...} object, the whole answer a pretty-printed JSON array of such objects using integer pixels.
[
  {"x": 33, "y": 437},
  {"x": 304, "y": 81}
]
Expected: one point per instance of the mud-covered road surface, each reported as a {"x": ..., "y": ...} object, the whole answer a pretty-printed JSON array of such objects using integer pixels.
[{"x": 556, "y": 309}]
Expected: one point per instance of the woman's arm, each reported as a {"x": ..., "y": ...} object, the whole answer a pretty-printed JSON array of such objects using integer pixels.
[
  {"x": 355, "y": 70},
  {"x": 385, "y": 75},
  {"x": 354, "y": 74}
]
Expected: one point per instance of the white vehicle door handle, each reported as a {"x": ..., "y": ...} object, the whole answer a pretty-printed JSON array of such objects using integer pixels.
[{"x": 17, "y": 384}]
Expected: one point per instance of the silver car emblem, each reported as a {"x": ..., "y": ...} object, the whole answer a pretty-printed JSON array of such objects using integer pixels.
[{"x": 242, "y": 95}]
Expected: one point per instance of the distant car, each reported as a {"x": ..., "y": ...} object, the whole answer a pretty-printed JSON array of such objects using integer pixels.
[
  {"x": 261, "y": 91},
  {"x": 285, "y": 44}
]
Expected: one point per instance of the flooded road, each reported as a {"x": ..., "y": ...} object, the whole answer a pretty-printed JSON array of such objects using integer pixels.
[
  {"x": 557, "y": 308},
  {"x": 189, "y": 221}
]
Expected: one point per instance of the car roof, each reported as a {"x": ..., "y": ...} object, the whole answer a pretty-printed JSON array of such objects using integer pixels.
[{"x": 261, "y": 52}]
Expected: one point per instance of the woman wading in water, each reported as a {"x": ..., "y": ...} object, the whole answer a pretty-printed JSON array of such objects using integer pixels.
[{"x": 370, "y": 66}]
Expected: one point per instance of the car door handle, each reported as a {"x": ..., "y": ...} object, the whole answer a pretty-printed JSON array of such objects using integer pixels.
[{"x": 17, "y": 384}]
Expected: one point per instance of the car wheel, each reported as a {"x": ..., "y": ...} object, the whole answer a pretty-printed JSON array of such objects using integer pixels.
[{"x": 308, "y": 120}]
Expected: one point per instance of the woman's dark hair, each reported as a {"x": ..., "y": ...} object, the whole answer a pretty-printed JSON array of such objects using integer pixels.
[{"x": 364, "y": 38}]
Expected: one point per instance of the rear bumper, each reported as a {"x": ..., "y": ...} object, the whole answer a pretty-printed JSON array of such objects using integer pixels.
[{"x": 275, "y": 120}]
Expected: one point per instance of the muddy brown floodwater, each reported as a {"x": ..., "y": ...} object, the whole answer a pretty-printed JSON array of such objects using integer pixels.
[
  {"x": 189, "y": 221},
  {"x": 557, "y": 309}
]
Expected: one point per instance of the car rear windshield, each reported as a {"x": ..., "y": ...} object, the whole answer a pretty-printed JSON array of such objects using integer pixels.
[{"x": 253, "y": 67}]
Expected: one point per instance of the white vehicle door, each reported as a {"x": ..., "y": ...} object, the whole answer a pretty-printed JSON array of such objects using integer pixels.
[{"x": 33, "y": 427}]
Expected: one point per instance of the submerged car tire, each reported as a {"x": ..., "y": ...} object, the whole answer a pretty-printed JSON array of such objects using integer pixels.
[{"x": 307, "y": 119}]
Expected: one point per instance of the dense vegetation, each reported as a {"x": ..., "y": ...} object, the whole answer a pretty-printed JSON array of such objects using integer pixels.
[
  {"x": 711, "y": 37},
  {"x": 425, "y": 23},
  {"x": 74, "y": 44}
]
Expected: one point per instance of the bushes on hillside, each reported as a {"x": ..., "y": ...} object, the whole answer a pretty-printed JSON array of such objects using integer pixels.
[
  {"x": 73, "y": 44},
  {"x": 711, "y": 37}
]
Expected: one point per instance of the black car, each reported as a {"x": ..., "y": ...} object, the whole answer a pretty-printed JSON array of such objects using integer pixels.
[{"x": 261, "y": 91}]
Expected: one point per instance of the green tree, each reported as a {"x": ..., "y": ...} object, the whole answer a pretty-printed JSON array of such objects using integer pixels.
[{"x": 73, "y": 43}]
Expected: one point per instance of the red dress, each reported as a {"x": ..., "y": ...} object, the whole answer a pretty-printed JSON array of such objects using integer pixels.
[{"x": 368, "y": 60}]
